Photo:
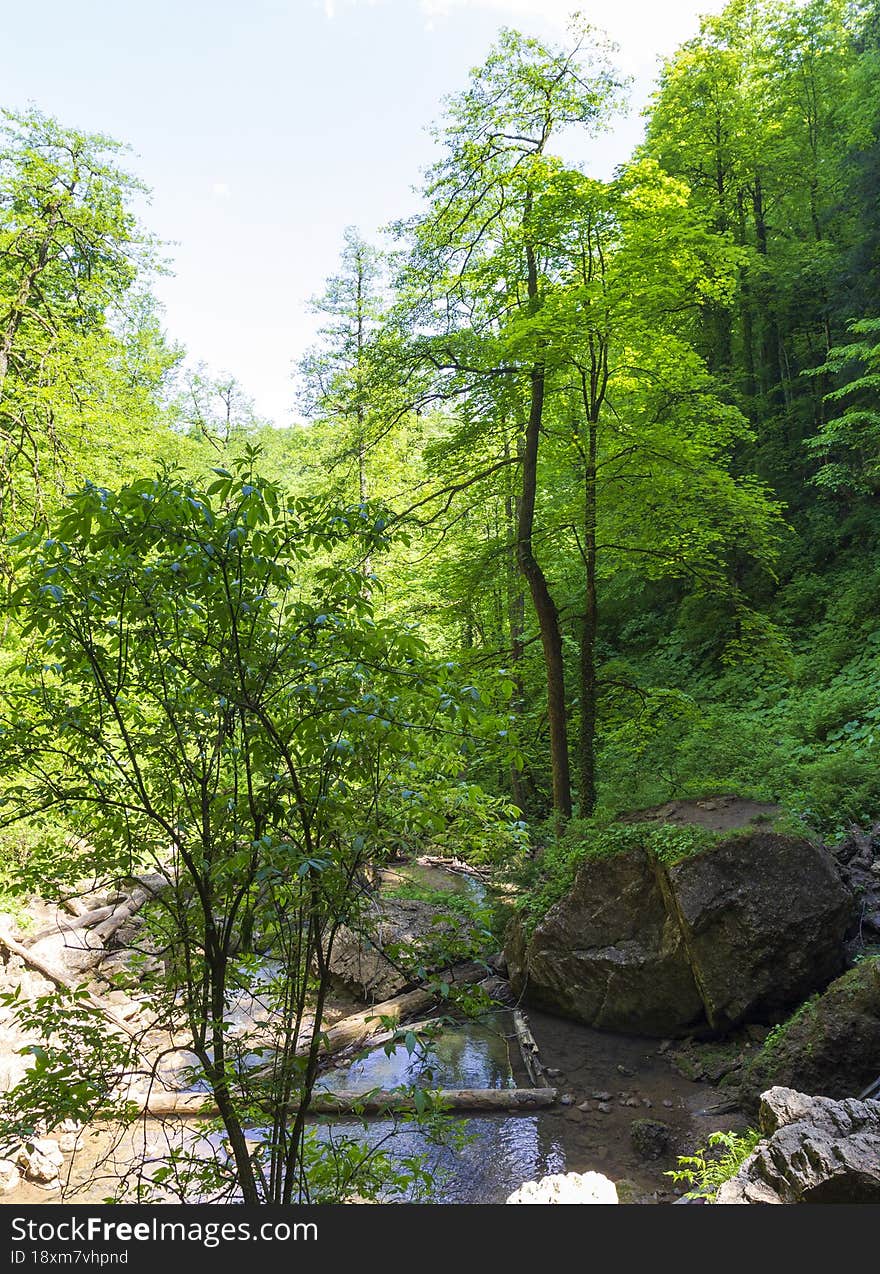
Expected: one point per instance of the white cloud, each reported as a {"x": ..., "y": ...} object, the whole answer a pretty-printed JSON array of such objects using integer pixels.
[{"x": 220, "y": 190}]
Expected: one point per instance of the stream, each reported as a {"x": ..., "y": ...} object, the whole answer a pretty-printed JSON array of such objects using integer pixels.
[{"x": 607, "y": 1082}]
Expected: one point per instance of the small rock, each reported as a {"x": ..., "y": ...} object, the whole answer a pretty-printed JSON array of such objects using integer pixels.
[
  {"x": 604, "y": 1107},
  {"x": 566, "y": 1100},
  {"x": 41, "y": 1160},
  {"x": 575, "y": 1114},
  {"x": 69, "y": 1136},
  {"x": 627, "y": 1191},
  {"x": 9, "y": 1176},
  {"x": 646, "y": 1101},
  {"x": 665, "y": 1046},
  {"x": 553, "y": 1071},
  {"x": 625, "y": 1070},
  {"x": 650, "y": 1137},
  {"x": 584, "y": 1105},
  {"x": 601, "y": 1096},
  {"x": 667, "y": 1103}
]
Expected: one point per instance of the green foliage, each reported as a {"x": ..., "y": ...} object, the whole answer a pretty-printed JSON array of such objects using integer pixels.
[
  {"x": 777, "y": 1034},
  {"x": 75, "y": 1067},
  {"x": 202, "y": 688},
  {"x": 550, "y": 876},
  {"x": 462, "y": 929},
  {"x": 713, "y": 1164}
]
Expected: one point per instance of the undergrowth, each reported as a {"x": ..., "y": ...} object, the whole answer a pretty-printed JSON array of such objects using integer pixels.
[
  {"x": 713, "y": 1164},
  {"x": 550, "y": 876}
]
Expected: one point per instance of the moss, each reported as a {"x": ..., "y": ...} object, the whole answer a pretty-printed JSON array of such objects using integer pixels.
[
  {"x": 829, "y": 1047},
  {"x": 551, "y": 876}
]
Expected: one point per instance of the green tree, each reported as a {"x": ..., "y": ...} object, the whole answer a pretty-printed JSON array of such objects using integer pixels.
[
  {"x": 203, "y": 693},
  {"x": 70, "y": 250},
  {"x": 479, "y": 269}
]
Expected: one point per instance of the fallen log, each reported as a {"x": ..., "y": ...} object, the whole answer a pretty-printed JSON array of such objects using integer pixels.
[
  {"x": 368, "y": 1026},
  {"x": 873, "y": 1090},
  {"x": 378, "y": 1102},
  {"x": 529, "y": 1050},
  {"x": 456, "y": 865},
  {"x": 359, "y": 1027},
  {"x": 123, "y": 913},
  {"x": 62, "y": 925},
  {"x": 64, "y": 983}
]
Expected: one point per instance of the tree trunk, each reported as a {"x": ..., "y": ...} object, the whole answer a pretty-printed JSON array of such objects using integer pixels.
[
  {"x": 587, "y": 742},
  {"x": 516, "y": 619},
  {"x": 542, "y": 600}
]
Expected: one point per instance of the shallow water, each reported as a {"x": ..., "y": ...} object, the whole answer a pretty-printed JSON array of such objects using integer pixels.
[
  {"x": 632, "y": 1076},
  {"x": 466, "y": 1055}
]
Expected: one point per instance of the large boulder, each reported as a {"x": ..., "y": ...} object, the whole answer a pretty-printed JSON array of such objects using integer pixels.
[
  {"x": 816, "y": 1151},
  {"x": 831, "y": 1045},
  {"x": 736, "y": 932},
  {"x": 609, "y": 953},
  {"x": 763, "y": 918}
]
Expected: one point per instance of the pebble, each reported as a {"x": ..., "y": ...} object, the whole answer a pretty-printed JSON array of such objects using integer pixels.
[
  {"x": 625, "y": 1070},
  {"x": 604, "y": 1107},
  {"x": 667, "y": 1103},
  {"x": 631, "y": 1101},
  {"x": 553, "y": 1071},
  {"x": 646, "y": 1101},
  {"x": 566, "y": 1099},
  {"x": 601, "y": 1096},
  {"x": 584, "y": 1105}
]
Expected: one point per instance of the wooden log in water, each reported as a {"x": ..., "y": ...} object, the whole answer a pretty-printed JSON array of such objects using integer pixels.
[
  {"x": 360, "y": 1027},
  {"x": 458, "y": 1100},
  {"x": 529, "y": 1049}
]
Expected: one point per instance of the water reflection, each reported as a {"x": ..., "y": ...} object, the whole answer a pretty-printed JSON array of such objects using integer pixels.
[
  {"x": 503, "y": 1153},
  {"x": 466, "y": 1055}
]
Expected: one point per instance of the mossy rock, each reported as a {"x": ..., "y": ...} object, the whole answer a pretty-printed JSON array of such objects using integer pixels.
[
  {"x": 735, "y": 932},
  {"x": 830, "y": 1047}
]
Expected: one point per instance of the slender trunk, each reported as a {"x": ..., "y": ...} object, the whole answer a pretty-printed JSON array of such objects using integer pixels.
[
  {"x": 545, "y": 607},
  {"x": 516, "y": 617},
  {"x": 215, "y": 1068},
  {"x": 771, "y": 374},
  {"x": 587, "y": 743},
  {"x": 748, "y": 325}
]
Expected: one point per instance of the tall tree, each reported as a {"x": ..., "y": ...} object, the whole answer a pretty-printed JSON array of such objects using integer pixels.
[
  {"x": 70, "y": 250},
  {"x": 481, "y": 263}
]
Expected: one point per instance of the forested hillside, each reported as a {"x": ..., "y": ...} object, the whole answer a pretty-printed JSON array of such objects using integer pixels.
[
  {"x": 640, "y": 471},
  {"x": 579, "y": 515}
]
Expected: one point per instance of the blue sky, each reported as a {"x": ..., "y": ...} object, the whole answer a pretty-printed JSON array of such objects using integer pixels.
[{"x": 264, "y": 128}]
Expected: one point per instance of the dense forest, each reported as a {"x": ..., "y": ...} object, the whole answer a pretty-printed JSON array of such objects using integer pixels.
[{"x": 579, "y": 517}]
